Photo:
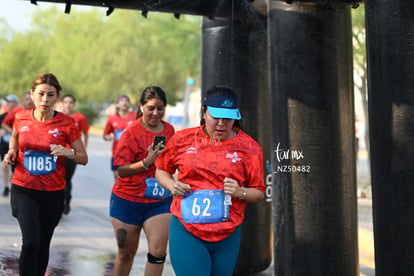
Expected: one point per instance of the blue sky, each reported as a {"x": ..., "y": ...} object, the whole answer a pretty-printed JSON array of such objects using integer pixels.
[{"x": 18, "y": 13}]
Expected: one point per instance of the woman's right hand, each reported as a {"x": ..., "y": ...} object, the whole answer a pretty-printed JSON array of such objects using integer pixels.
[
  {"x": 180, "y": 188},
  {"x": 108, "y": 137},
  {"x": 9, "y": 158},
  {"x": 166, "y": 180}
]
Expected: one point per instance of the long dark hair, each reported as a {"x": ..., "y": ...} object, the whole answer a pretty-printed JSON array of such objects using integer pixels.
[
  {"x": 149, "y": 93},
  {"x": 219, "y": 90}
]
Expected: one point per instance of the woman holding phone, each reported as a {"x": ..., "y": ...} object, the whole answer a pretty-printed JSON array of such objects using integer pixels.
[{"x": 137, "y": 200}]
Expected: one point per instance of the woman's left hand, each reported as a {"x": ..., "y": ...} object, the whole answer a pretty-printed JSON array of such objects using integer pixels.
[
  {"x": 232, "y": 187},
  {"x": 59, "y": 150}
]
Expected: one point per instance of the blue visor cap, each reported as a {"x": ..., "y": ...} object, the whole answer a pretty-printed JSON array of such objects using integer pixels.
[{"x": 222, "y": 107}]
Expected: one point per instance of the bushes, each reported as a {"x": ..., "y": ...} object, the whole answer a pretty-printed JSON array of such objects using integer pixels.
[{"x": 89, "y": 111}]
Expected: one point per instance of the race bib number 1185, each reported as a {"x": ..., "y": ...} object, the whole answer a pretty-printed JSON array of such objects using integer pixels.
[{"x": 39, "y": 162}]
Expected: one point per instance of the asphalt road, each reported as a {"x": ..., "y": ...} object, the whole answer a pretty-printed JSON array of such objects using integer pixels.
[{"x": 84, "y": 243}]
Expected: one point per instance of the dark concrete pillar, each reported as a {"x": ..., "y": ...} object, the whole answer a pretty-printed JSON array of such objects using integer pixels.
[
  {"x": 390, "y": 60},
  {"x": 313, "y": 140},
  {"x": 257, "y": 228},
  {"x": 234, "y": 52},
  {"x": 216, "y": 53}
]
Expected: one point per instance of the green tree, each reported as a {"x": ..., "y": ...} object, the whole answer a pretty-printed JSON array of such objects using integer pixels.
[
  {"x": 97, "y": 57},
  {"x": 360, "y": 68}
]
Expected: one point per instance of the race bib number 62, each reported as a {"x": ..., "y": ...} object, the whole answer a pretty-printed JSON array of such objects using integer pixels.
[{"x": 204, "y": 206}]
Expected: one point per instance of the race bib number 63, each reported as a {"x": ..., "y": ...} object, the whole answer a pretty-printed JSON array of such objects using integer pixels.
[
  {"x": 154, "y": 190},
  {"x": 204, "y": 206}
]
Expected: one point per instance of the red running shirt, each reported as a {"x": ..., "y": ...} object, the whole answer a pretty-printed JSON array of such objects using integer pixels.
[
  {"x": 116, "y": 125},
  {"x": 133, "y": 147},
  {"x": 203, "y": 163},
  {"x": 39, "y": 136},
  {"x": 9, "y": 119},
  {"x": 81, "y": 122}
]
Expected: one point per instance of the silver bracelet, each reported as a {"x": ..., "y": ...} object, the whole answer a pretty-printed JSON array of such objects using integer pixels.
[
  {"x": 243, "y": 194},
  {"x": 73, "y": 154}
]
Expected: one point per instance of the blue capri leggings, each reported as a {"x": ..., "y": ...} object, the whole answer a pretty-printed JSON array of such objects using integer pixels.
[{"x": 192, "y": 256}]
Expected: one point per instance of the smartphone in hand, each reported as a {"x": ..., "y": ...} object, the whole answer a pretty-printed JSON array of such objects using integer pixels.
[{"x": 158, "y": 139}]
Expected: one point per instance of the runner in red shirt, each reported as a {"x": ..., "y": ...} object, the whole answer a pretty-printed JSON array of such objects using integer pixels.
[
  {"x": 68, "y": 107},
  {"x": 37, "y": 194},
  {"x": 8, "y": 121},
  {"x": 135, "y": 147},
  {"x": 137, "y": 200},
  {"x": 220, "y": 168},
  {"x": 7, "y": 127},
  {"x": 11, "y": 103},
  {"x": 116, "y": 124}
]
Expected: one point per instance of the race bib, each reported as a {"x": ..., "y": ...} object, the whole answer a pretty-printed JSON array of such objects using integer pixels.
[
  {"x": 204, "y": 206},
  {"x": 39, "y": 162},
  {"x": 118, "y": 134},
  {"x": 154, "y": 190}
]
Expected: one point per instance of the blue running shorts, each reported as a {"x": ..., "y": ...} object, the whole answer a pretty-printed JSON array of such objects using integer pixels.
[{"x": 136, "y": 213}]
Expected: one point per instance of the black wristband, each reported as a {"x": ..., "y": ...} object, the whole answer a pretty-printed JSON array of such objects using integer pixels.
[{"x": 144, "y": 164}]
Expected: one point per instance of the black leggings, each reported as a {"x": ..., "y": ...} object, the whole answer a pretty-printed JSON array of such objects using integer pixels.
[
  {"x": 38, "y": 213},
  {"x": 70, "y": 167}
]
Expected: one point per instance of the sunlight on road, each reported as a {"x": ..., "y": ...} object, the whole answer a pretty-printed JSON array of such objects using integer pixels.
[{"x": 366, "y": 248}]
